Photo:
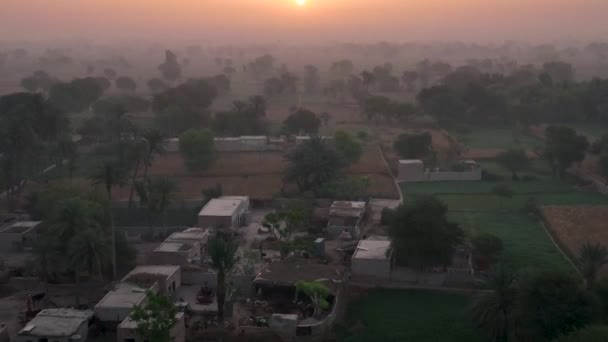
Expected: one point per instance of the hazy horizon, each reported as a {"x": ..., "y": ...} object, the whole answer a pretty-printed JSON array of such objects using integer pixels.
[{"x": 320, "y": 21}]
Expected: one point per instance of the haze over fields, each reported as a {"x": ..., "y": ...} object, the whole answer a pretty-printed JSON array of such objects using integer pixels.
[{"x": 216, "y": 21}]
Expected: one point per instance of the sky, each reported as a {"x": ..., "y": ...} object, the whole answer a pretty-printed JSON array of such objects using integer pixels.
[{"x": 242, "y": 21}]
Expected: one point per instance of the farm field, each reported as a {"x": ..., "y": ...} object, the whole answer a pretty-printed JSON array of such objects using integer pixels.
[
  {"x": 409, "y": 316},
  {"x": 565, "y": 223},
  {"x": 496, "y": 138}
]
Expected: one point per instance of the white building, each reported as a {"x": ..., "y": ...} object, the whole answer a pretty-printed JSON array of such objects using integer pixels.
[
  {"x": 226, "y": 212},
  {"x": 57, "y": 325},
  {"x": 372, "y": 258}
]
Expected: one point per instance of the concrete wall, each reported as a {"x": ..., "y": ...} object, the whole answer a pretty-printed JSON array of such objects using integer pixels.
[
  {"x": 178, "y": 332},
  {"x": 410, "y": 172},
  {"x": 371, "y": 268},
  {"x": 237, "y": 144},
  {"x": 440, "y": 176}
]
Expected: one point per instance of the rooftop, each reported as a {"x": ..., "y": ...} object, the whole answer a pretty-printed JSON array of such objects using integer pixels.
[
  {"x": 174, "y": 246},
  {"x": 56, "y": 323},
  {"x": 223, "y": 206},
  {"x": 289, "y": 271},
  {"x": 372, "y": 249},
  {"x": 347, "y": 209},
  {"x": 166, "y": 271},
  {"x": 410, "y": 161},
  {"x": 125, "y": 295},
  {"x": 20, "y": 227}
]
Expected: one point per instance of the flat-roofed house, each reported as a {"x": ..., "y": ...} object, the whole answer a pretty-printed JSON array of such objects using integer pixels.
[
  {"x": 345, "y": 217},
  {"x": 372, "y": 258},
  {"x": 224, "y": 213},
  {"x": 117, "y": 304},
  {"x": 57, "y": 325},
  {"x": 199, "y": 235},
  {"x": 167, "y": 276}
]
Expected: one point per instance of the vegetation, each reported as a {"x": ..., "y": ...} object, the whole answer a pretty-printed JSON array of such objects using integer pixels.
[
  {"x": 156, "y": 318},
  {"x": 223, "y": 259},
  {"x": 302, "y": 122},
  {"x": 563, "y": 148},
  {"x": 514, "y": 160},
  {"x": 316, "y": 292},
  {"x": 196, "y": 146},
  {"x": 591, "y": 258},
  {"x": 348, "y": 147},
  {"x": 414, "y": 146}
]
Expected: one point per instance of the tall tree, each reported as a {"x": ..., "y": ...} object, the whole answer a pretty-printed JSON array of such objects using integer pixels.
[
  {"x": 302, "y": 121},
  {"x": 155, "y": 145},
  {"x": 312, "y": 164},
  {"x": 110, "y": 174},
  {"x": 414, "y": 146},
  {"x": 197, "y": 148},
  {"x": 514, "y": 160},
  {"x": 87, "y": 251},
  {"x": 170, "y": 68},
  {"x": 318, "y": 294},
  {"x": 563, "y": 147},
  {"x": 223, "y": 259},
  {"x": 592, "y": 256},
  {"x": 421, "y": 234},
  {"x": 349, "y": 148}
]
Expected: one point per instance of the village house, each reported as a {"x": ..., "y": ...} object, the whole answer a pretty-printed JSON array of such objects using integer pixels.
[
  {"x": 18, "y": 236},
  {"x": 57, "y": 325},
  {"x": 192, "y": 235},
  {"x": 167, "y": 276},
  {"x": 372, "y": 258},
  {"x": 345, "y": 217},
  {"x": 225, "y": 213},
  {"x": 117, "y": 304},
  {"x": 127, "y": 330}
]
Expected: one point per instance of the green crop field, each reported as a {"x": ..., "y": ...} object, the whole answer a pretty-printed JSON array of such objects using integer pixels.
[
  {"x": 502, "y": 138},
  {"x": 408, "y": 316}
]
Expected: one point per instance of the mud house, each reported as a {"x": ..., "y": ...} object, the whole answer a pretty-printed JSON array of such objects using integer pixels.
[
  {"x": 345, "y": 217},
  {"x": 168, "y": 277},
  {"x": 225, "y": 213},
  {"x": 18, "y": 236},
  {"x": 179, "y": 253},
  {"x": 57, "y": 325},
  {"x": 117, "y": 304},
  {"x": 127, "y": 330},
  {"x": 372, "y": 258}
]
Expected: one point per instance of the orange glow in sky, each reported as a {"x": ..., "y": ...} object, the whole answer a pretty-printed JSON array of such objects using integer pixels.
[{"x": 322, "y": 21}]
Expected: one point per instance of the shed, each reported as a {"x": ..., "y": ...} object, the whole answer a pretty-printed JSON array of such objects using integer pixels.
[
  {"x": 18, "y": 236},
  {"x": 226, "y": 212},
  {"x": 372, "y": 258},
  {"x": 192, "y": 235},
  {"x": 117, "y": 304},
  {"x": 345, "y": 216},
  {"x": 57, "y": 325},
  {"x": 127, "y": 330},
  {"x": 167, "y": 276}
]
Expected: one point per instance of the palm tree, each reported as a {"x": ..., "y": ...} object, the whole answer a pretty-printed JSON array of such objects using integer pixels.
[
  {"x": 592, "y": 258},
  {"x": 156, "y": 145},
  {"x": 223, "y": 257},
  {"x": 492, "y": 312},
  {"x": 156, "y": 195},
  {"x": 87, "y": 251},
  {"x": 109, "y": 175},
  {"x": 137, "y": 153}
]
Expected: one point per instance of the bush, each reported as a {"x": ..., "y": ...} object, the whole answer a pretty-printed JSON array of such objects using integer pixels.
[{"x": 489, "y": 176}]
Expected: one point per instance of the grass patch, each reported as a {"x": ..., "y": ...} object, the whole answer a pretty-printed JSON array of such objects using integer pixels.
[
  {"x": 526, "y": 244},
  {"x": 502, "y": 138},
  {"x": 409, "y": 316}
]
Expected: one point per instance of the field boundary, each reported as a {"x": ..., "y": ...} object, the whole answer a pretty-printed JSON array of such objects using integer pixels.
[{"x": 557, "y": 243}]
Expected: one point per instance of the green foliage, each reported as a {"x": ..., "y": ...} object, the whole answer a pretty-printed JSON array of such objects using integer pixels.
[
  {"x": 170, "y": 68},
  {"x": 213, "y": 192},
  {"x": 514, "y": 160},
  {"x": 155, "y": 319},
  {"x": 125, "y": 83},
  {"x": 414, "y": 146},
  {"x": 246, "y": 118},
  {"x": 223, "y": 259},
  {"x": 312, "y": 164},
  {"x": 421, "y": 234},
  {"x": 317, "y": 292},
  {"x": 553, "y": 304},
  {"x": 487, "y": 246},
  {"x": 348, "y": 147},
  {"x": 302, "y": 121},
  {"x": 590, "y": 333},
  {"x": 156, "y": 194},
  {"x": 563, "y": 148},
  {"x": 197, "y": 148},
  {"x": 77, "y": 95},
  {"x": 592, "y": 256}
]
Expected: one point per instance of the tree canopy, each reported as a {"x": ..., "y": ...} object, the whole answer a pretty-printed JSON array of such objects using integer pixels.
[
  {"x": 348, "y": 147},
  {"x": 302, "y": 121},
  {"x": 564, "y": 147},
  {"x": 156, "y": 318},
  {"x": 514, "y": 160},
  {"x": 197, "y": 148},
  {"x": 414, "y": 146}
]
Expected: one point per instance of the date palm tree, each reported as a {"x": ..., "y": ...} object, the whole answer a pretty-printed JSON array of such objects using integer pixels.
[
  {"x": 592, "y": 258},
  {"x": 155, "y": 145},
  {"x": 110, "y": 174},
  {"x": 492, "y": 311},
  {"x": 87, "y": 251},
  {"x": 223, "y": 257}
]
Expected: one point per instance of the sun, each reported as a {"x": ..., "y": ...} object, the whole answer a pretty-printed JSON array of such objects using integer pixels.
[{"x": 300, "y": 2}]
